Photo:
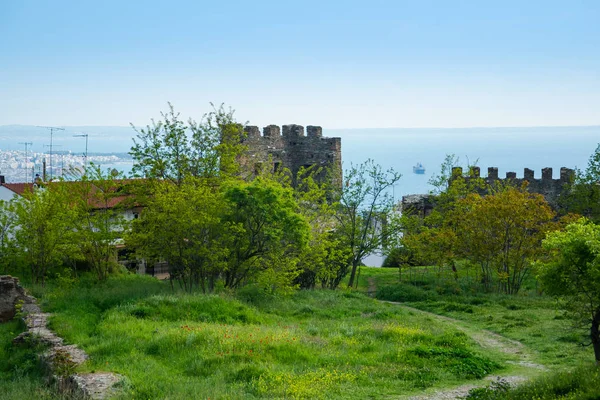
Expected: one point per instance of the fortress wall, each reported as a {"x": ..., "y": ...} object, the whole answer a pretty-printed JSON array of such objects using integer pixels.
[
  {"x": 289, "y": 147},
  {"x": 547, "y": 186}
]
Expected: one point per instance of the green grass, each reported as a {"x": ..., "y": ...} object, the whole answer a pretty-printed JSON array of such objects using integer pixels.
[
  {"x": 530, "y": 318},
  {"x": 21, "y": 376},
  {"x": 312, "y": 344},
  {"x": 580, "y": 384}
]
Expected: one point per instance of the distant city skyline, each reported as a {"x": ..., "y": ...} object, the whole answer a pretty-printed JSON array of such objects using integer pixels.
[{"x": 380, "y": 64}]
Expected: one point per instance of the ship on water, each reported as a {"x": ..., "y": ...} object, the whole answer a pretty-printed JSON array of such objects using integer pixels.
[{"x": 419, "y": 169}]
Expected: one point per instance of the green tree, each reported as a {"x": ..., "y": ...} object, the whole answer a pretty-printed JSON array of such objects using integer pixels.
[
  {"x": 44, "y": 236},
  {"x": 501, "y": 232},
  {"x": 6, "y": 227},
  {"x": 441, "y": 182},
  {"x": 172, "y": 149},
  {"x": 182, "y": 226},
  {"x": 267, "y": 233},
  {"x": 583, "y": 194},
  {"x": 325, "y": 259},
  {"x": 364, "y": 212},
  {"x": 574, "y": 274},
  {"x": 99, "y": 199}
]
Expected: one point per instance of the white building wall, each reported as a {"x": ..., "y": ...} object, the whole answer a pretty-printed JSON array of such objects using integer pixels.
[{"x": 6, "y": 194}]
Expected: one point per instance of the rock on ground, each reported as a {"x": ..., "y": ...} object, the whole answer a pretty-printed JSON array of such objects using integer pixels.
[{"x": 10, "y": 294}]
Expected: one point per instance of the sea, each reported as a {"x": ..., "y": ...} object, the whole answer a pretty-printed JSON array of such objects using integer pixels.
[{"x": 508, "y": 149}]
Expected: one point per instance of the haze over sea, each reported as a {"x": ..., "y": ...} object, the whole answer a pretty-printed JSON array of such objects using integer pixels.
[{"x": 509, "y": 149}]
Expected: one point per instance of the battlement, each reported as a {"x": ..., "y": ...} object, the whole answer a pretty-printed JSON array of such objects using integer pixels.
[
  {"x": 547, "y": 186},
  {"x": 290, "y": 147},
  {"x": 566, "y": 175},
  {"x": 291, "y": 131}
]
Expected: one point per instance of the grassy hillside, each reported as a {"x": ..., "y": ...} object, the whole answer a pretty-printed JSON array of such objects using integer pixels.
[
  {"x": 312, "y": 344},
  {"x": 534, "y": 320}
]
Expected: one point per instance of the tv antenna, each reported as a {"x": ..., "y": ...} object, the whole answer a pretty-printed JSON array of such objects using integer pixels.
[
  {"x": 50, "y": 167},
  {"x": 26, "y": 144},
  {"x": 52, "y": 129},
  {"x": 85, "y": 135}
]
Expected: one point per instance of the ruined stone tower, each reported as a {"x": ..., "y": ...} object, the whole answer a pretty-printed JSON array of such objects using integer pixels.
[{"x": 290, "y": 148}]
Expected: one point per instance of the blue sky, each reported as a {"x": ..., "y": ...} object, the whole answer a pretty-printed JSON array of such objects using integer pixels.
[{"x": 330, "y": 63}]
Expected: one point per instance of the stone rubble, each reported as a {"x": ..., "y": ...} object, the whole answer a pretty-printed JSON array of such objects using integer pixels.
[{"x": 10, "y": 294}]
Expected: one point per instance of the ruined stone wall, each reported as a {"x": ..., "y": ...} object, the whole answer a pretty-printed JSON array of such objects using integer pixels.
[
  {"x": 290, "y": 148},
  {"x": 548, "y": 187}
]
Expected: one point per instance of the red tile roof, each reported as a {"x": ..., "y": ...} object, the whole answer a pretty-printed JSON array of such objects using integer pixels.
[
  {"x": 21, "y": 188},
  {"x": 18, "y": 188}
]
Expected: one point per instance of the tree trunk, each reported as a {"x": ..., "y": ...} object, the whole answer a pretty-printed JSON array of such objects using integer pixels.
[
  {"x": 595, "y": 335},
  {"x": 353, "y": 273}
]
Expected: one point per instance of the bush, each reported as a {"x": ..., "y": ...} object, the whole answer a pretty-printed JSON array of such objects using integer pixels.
[{"x": 403, "y": 293}]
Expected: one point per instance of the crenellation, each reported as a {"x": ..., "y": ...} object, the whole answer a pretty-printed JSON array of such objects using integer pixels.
[
  {"x": 314, "y": 131},
  {"x": 566, "y": 175},
  {"x": 548, "y": 187},
  {"x": 293, "y": 130},
  {"x": 271, "y": 131},
  {"x": 252, "y": 132},
  {"x": 546, "y": 174},
  {"x": 528, "y": 174},
  {"x": 475, "y": 172}
]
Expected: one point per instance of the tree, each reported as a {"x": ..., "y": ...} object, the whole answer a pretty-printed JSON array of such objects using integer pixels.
[
  {"x": 583, "y": 194},
  {"x": 267, "y": 233},
  {"x": 44, "y": 234},
  {"x": 99, "y": 224},
  {"x": 574, "y": 274},
  {"x": 441, "y": 182},
  {"x": 182, "y": 226},
  {"x": 325, "y": 259},
  {"x": 501, "y": 232},
  {"x": 364, "y": 212},
  {"x": 171, "y": 150},
  {"x": 6, "y": 226}
]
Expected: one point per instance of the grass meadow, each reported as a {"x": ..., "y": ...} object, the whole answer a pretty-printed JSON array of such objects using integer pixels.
[
  {"x": 535, "y": 320},
  {"x": 309, "y": 344}
]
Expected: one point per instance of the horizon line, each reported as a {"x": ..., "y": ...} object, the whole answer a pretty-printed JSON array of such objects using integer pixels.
[{"x": 352, "y": 128}]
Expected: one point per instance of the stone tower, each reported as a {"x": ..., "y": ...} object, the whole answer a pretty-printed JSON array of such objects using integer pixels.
[{"x": 290, "y": 148}]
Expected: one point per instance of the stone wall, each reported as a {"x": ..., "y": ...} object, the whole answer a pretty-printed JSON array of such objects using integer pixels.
[
  {"x": 10, "y": 294},
  {"x": 547, "y": 186},
  {"x": 60, "y": 359},
  {"x": 290, "y": 148}
]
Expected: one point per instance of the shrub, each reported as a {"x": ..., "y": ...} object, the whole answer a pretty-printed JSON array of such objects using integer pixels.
[
  {"x": 403, "y": 293},
  {"x": 400, "y": 257}
]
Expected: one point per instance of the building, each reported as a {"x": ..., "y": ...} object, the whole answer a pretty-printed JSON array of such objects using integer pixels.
[{"x": 291, "y": 149}]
